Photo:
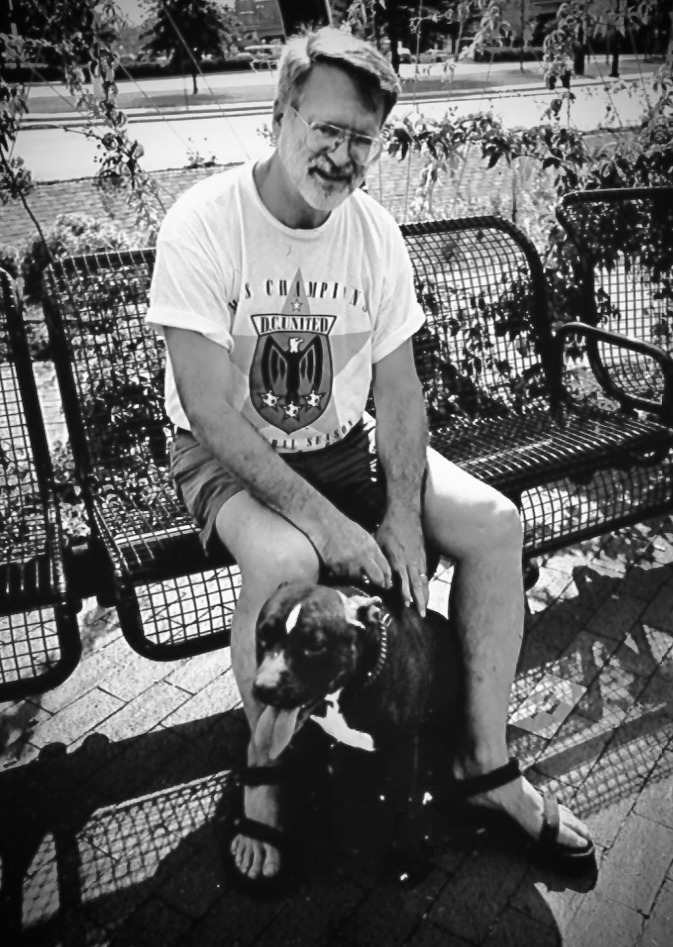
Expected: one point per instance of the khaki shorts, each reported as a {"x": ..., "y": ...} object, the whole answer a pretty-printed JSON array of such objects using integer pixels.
[{"x": 347, "y": 473}]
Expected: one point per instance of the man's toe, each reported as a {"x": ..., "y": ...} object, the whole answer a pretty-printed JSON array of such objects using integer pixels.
[
  {"x": 256, "y": 867},
  {"x": 271, "y": 862},
  {"x": 574, "y": 832},
  {"x": 246, "y": 859}
]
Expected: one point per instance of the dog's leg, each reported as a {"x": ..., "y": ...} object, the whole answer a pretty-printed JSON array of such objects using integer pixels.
[{"x": 409, "y": 861}]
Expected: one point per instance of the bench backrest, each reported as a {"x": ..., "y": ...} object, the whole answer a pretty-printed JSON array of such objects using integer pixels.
[
  {"x": 624, "y": 266},
  {"x": 486, "y": 348},
  {"x": 25, "y": 466},
  {"x": 39, "y": 637},
  {"x": 479, "y": 280},
  {"x": 110, "y": 363}
]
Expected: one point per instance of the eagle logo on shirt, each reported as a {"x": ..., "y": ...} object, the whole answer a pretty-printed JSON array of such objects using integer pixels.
[{"x": 291, "y": 373}]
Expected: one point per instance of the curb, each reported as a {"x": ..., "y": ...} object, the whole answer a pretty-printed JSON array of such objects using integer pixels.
[{"x": 257, "y": 107}]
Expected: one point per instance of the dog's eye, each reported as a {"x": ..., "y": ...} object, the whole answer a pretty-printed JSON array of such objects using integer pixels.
[{"x": 312, "y": 648}]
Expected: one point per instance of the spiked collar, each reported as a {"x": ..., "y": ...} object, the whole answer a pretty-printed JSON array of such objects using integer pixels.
[{"x": 382, "y": 652}]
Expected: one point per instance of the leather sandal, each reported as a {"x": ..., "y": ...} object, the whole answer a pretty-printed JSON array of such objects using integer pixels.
[
  {"x": 545, "y": 850},
  {"x": 262, "y": 885}
]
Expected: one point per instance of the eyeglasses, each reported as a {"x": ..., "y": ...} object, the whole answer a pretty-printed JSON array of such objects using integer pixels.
[{"x": 321, "y": 136}]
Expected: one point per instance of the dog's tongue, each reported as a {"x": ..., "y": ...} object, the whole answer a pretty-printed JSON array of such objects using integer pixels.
[{"x": 274, "y": 730}]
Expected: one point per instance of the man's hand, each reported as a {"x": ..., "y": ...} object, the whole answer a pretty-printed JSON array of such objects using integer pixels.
[
  {"x": 348, "y": 550},
  {"x": 400, "y": 536}
]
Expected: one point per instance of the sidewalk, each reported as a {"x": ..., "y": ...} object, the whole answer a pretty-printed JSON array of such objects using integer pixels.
[
  {"x": 111, "y": 787},
  {"x": 145, "y": 96}
]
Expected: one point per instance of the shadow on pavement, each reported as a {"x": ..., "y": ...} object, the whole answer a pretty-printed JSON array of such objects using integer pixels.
[{"x": 119, "y": 842}]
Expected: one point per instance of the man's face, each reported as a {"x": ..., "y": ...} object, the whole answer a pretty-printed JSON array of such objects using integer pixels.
[{"x": 325, "y": 179}]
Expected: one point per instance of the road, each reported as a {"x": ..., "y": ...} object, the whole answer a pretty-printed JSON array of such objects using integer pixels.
[{"x": 232, "y": 133}]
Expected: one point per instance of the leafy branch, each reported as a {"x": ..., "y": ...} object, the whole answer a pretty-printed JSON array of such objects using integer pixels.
[{"x": 79, "y": 34}]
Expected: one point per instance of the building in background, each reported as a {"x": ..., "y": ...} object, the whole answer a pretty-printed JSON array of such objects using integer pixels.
[{"x": 261, "y": 19}]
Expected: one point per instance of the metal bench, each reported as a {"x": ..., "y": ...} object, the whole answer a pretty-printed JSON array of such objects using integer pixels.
[
  {"x": 145, "y": 556},
  {"x": 39, "y": 635},
  {"x": 499, "y": 404},
  {"x": 623, "y": 271},
  {"x": 505, "y": 404}
]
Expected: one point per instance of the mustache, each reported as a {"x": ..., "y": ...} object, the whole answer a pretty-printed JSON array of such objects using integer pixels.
[{"x": 331, "y": 172}]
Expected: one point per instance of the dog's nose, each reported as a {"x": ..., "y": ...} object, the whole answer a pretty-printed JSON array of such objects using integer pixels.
[{"x": 269, "y": 674}]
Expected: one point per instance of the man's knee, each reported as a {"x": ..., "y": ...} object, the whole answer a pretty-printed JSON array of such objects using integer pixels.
[
  {"x": 267, "y": 548},
  {"x": 265, "y": 565},
  {"x": 505, "y": 522}
]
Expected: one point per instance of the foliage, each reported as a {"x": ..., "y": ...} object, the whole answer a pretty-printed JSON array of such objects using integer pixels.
[
  {"x": 119, "y": 355},
  {"x": 446, "y": 142},
  {"x": 475, "y": 356},
  {"x": 188, "y": 30},
  {"x": 22, "y": 512},
  {"x": 80, "y": 35},
  {"x": 69, "y": 235}
]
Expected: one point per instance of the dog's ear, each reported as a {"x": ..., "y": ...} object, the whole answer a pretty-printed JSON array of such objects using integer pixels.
[
  {"x": 357, "y": 608},
  {"x": 367, "y": 609}
]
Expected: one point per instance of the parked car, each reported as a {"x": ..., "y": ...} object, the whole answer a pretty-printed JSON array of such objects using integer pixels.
[
  {"x": 434, "y": 55},
  {"x": 242, "y": 56},
  {"x": 403, "y": 52},
  {"x": 265, "y": 54}
]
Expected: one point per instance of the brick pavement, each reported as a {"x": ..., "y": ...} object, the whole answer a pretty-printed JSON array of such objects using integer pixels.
[
  {"x": 112, "y": 784},
  {"x": 392, "y": 182}
]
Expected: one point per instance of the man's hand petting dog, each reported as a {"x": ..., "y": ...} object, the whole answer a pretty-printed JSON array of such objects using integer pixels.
[
  {"x": 350, "y": 552},
  {"x": 400, "y": 536}
]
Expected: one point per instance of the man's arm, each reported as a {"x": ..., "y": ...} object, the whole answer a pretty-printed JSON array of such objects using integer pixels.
[
  {"x": 402, "y": 440},
  {"x": 203, "y": 377}
]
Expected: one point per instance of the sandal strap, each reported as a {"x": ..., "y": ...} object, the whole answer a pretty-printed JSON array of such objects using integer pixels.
[
  {"x": 261, "y": 775},
  {"x": 259, "y": 831},
  {"x": 551, "y": 821},
  {"x": 474, "y": 785}
]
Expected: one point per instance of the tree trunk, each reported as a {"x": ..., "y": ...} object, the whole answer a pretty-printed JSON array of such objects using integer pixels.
[
  {"x": 195, "y": 88},
  {"x": 297, "y": 13},
  {"x": 614, "y": 68},
  {"x": 579, "y": 57},
  {"x": 391, "y": 9}
]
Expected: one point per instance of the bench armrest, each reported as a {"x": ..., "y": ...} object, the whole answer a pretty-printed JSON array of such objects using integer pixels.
[{"x": 594, "y": 335}]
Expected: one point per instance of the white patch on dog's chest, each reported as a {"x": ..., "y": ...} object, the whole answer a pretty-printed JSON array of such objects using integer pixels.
[{"x": 334, "y": 724}]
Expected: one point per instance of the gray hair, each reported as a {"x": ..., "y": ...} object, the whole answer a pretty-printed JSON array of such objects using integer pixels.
[{"x": 370, "y": 70}]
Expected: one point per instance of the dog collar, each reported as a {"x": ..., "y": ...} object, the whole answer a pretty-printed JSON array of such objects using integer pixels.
[{"x": 375, "y": 673}]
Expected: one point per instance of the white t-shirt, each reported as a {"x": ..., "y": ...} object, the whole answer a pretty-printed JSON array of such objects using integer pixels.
[{"x": 303, "y": 314}]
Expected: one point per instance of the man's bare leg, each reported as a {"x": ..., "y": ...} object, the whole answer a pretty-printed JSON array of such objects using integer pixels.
[
  {"x": 268, "y": 550},
  {"x": 480, "y": 530}
]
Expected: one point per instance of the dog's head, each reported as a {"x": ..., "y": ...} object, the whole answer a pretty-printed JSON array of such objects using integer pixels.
[{"x": 310, "y": 642}]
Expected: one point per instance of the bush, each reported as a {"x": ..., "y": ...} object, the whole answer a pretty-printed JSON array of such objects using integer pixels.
[
  {"x": 156, "y": 70},
  {"x": 71, "y": 234},
  {"x": 10, "y": 260},
  {"x": 508, "y": 54}
]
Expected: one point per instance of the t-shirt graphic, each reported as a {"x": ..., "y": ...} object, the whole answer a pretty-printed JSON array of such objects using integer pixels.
[
  {"x": 304, "y": 315},
  {"x": 291, "y": 374}
]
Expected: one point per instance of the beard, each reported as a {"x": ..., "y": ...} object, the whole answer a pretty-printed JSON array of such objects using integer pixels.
[{"x": 303, "y": 167}]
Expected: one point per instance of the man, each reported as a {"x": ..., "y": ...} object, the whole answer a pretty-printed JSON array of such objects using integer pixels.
[{"x": 283, "y": 291}]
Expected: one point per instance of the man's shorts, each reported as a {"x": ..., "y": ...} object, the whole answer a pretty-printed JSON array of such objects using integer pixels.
[{"x": 346, "y": 473}]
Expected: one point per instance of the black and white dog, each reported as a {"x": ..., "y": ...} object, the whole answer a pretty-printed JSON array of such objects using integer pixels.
[{"x": 372, "y": 672}]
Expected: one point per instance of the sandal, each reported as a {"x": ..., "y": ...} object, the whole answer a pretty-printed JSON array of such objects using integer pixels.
[
  {"x": 546, "y": 849},
  {"x": 262, "y": 885}
]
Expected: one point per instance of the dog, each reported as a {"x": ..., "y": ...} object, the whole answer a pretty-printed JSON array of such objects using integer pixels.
[{"x": 369, "y": 670}]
